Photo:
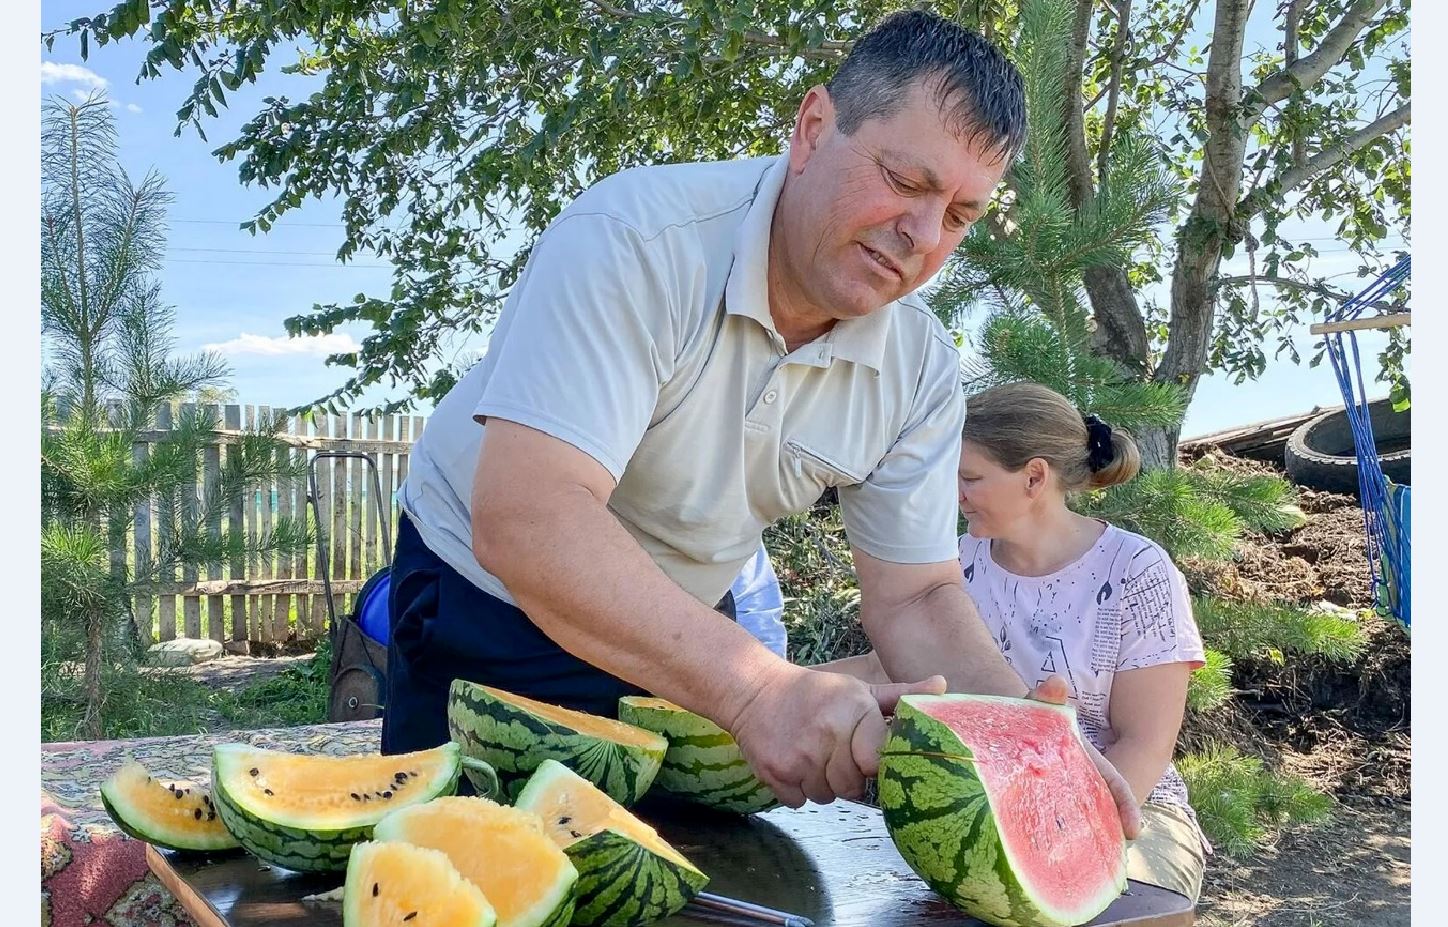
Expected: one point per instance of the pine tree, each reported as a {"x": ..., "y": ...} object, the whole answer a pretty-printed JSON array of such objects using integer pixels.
[
  {"x": 1026, "y": 268},
  {"x": 109, "y": 367}
]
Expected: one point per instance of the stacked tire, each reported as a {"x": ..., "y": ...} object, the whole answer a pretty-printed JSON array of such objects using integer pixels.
[{"x": 1320, "y": 454}]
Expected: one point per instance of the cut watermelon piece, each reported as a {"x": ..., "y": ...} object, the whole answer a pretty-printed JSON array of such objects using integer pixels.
[
  {"x": 703, "y": 763},
  {"x": 400, "y": 885},
  {"x": 628, "y": 875},
  {"x": 305, "y": 812},
  {"x": 513, "y": 735},
  {"x": 172, "y": 813},
  {"x": 506, "y": 852},
  {"x": 995, "y": 803}
]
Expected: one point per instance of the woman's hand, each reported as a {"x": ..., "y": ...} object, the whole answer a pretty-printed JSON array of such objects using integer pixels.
[
  {"x": 1146, "y": 714},
  {"x": 1054, "y": 690}
]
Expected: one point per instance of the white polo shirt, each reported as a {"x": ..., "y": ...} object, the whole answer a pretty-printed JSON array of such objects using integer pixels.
[{"x": 639, "y": 332}]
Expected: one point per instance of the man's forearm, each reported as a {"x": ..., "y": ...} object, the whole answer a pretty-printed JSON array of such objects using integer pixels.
[
  {"x": 864, "y": 667},
  {"x": 940, "y": 632},
  {"x": 583, "y": 579}
]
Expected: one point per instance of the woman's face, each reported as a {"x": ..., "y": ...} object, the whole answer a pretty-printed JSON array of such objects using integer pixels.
[{"x": 993, "y": 499}]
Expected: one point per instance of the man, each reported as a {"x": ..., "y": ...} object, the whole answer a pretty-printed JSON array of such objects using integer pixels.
[{"x": 692, "y": 352}]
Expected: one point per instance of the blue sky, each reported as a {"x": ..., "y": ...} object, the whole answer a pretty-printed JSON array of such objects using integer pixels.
[{"x": 232, "y": 290}]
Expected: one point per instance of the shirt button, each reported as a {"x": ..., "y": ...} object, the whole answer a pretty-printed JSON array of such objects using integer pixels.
[{"x": 770, "y": 396}]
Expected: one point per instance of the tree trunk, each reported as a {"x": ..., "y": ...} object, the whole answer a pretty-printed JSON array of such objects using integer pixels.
[
  {"x": 95, "y": 625},
  {"x": 1213, "y": 220},
  {"x": 1120, "y": 331},
  {"x": 1157, "y": 447}
]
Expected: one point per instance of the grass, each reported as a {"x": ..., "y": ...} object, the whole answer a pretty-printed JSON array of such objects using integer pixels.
[
  {"x": 1211, "y": 686},
  {"x": 1270, "y": 631},
  {"x": 148, "y": 703},
  {"x": 295, "y": 697},
  {"x": 1240, "y": 802}
]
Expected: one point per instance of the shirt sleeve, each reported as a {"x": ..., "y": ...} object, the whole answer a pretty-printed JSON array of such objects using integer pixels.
[
  {"x": 585, "y": 340},
  {"x": 1157, "y": 626},
  {"x": 905, "y": 510}
]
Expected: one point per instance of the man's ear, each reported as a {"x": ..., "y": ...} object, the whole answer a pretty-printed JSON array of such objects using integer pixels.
[{"x": 816, "y": 117}]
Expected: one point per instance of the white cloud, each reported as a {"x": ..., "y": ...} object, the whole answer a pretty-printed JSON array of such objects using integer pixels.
[
  {"x": 133, "y": 108},
  {"x": 52, "y": 72},
  {"x": 81, "y": 95},
  {"x": 318, "y": 345}
]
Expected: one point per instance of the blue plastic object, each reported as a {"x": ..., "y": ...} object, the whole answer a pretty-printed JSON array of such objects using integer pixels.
[
  {"x": 373, "y": 616},
  {"x": 1386, "y": 512}
]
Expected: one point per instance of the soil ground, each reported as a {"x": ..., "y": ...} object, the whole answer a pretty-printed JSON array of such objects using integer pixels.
[{"x": 1345, "y": 730}]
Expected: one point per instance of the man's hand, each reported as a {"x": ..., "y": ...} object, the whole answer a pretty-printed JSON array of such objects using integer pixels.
[
  {"x": 1054, "y": 690},
  {"x": 817, "y": 735}
]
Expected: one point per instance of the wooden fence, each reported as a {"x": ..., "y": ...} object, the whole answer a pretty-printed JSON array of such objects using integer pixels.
[{"x": 274, "y": 599}]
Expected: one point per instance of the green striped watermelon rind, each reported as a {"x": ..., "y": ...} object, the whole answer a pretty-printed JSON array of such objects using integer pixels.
[
  {"x": 703, "y": 763},
  {"x": 515, "y": 741},
  {"x": 621, "y": 883},
  {"x": 303, "y": 849},
  {"x": 938, "y": 813},
  {"x": 610, "y": 897}
]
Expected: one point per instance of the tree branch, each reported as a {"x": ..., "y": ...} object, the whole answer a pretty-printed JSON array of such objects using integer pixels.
[
  {"x": 1304, "y": 72},
  {"x": 1188, "y": 16},
  {"x": 1118, "y": 61},
  {"x": 829, "y": 49},
  {"x": 1290, "y": 284},
  {"x": 1291, "y": 25},
  {"x": 1078, "y": 158},
  {"x": 1329, "y": 156}
]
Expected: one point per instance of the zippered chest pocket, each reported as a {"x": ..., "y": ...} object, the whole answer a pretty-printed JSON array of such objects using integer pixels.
[{"x": 819, "y": 467}]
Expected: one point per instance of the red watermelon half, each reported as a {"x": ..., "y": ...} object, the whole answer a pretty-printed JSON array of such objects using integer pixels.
[{"x": 995, "y": 803}]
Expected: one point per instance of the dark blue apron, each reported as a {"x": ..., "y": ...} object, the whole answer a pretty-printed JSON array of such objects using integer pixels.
[{"x": 444, "y": 628}]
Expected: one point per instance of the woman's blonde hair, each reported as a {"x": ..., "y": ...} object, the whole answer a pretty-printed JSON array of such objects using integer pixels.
[{"x": 1017, "y": 422}]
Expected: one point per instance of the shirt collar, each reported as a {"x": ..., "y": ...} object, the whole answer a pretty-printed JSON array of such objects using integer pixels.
[{"x": 746, "y": 292}]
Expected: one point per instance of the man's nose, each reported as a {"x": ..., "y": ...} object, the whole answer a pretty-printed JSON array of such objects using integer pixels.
[{"x": 921, "y": 227}]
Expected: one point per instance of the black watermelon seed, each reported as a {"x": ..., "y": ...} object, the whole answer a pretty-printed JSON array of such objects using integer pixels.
[
  {"x": 564, "y": 820},
  {"x": 211, "y": 815},
  {"x": 386, "y": 794},
  {"x": 401, "y": 775},
  {"x": 374, "y": 889},
  {"x": 255, "y": 771},
  {"x": 576, "y": 835},
  {"x": 356, "y": 797},
  {"x": 410, "y": 916},
  {"x": 177, "y": 794},
  {"x": 198, "y": 814},
  {"x": 269, "y": 791}
]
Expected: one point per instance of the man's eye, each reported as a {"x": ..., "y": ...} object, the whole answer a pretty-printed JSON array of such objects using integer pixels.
[
  {"x": 955, "y": 223},
  {"x": 899, "y": 183}
]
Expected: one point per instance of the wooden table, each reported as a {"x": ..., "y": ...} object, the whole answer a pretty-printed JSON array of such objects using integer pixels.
[{"x": 834, "y": 864}]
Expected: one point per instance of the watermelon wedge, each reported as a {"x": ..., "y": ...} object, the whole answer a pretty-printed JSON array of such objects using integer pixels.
[{"x": 995, "y": 803}]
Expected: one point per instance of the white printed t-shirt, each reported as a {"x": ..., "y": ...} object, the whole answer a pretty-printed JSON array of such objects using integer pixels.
[{"x": 1123, "y": 605}]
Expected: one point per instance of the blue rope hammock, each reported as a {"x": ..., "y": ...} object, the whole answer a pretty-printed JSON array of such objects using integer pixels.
[{"x": 1386, "y": 508}]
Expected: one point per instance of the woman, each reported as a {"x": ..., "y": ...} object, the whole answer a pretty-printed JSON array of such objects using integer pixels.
[{"x": 1071, "y": 596}]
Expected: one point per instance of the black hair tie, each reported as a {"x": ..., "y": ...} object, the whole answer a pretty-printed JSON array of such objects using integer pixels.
[{"x": 1099, "y": 451}]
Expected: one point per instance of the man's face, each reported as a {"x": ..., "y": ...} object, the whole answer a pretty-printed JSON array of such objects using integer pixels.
[{"x": 867, "y": 218}]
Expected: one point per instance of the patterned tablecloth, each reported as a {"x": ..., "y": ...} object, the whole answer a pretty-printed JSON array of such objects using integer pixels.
[{"x": 91, "y": 874}]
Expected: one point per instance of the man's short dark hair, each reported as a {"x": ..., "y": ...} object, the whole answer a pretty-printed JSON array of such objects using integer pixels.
[{"x": 981, "y": 94}]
